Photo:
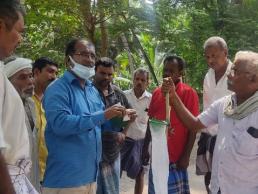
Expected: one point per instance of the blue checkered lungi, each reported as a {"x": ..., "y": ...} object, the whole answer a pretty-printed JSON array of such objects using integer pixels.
[
  {"x": 109, "y": 177},
  {"x": 177, "y": 181}
]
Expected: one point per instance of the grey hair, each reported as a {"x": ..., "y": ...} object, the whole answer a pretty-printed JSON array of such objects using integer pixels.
[
  {"x": 215, "y": 41},
  {"x": 250, "y": 58},
  {"x": 141, "y": 70}
]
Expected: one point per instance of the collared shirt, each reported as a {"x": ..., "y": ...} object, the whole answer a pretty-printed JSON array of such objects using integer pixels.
[
  {"x": 177, "y": 139},
  {"x": 137, "y": 129},
  {"x": 235, "y": 157},
  {"x": 40, "y": 126},
  {"x": 14, "y": 138},
  {"x": 212, "y": 91},
  {"x": 115, "y": 95},
  {"x": 73, "y": 137}
]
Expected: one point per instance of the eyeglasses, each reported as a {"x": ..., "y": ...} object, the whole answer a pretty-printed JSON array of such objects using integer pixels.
[{"x": 86, "y": 54}]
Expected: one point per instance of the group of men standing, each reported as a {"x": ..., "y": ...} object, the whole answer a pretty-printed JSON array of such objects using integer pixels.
[{"x": 77, "y": 134}]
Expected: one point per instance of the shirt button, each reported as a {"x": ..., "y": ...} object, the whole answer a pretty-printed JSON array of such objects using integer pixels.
[{"x": 234, "y": 136}]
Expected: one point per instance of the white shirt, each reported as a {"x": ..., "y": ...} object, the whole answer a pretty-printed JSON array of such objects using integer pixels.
[
  {"x": 13, "y": 129},
  {"x": 213, "y": 91},
  {"x": 138, "y": 128},
  {"x": 235, "y": 157},
  {"x": 2, "y": 143}
]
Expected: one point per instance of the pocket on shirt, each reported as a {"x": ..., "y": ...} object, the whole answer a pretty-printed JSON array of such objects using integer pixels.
[
  {"x": 248, "y": 145},
  {"x": 95, "y": 103}
]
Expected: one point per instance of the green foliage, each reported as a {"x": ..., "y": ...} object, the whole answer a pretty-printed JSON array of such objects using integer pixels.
[
  {"x": 48, "y": 28},
  {"x": 167, "y": 27}
]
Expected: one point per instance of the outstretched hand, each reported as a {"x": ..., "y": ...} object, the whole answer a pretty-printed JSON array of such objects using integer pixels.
[
  {"x": 132, "y": 114},
  {"x": 114, "y": 111}
]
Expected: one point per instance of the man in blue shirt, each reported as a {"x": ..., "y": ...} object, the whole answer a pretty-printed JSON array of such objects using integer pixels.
[{"x": 74, "y": 114}]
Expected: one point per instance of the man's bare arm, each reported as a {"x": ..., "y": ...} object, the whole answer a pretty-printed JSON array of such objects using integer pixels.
[
  {"x": 145, "y": 149},
  {"x": 183, "y": 162},
  {"x": 191, "y": 122}
]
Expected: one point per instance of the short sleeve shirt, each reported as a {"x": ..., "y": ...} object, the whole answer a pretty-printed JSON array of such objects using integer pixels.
[
  {"x": 235, "y": 157},
  {"x": 137, "y": 129},
  {"x": 176, "y": 140}
]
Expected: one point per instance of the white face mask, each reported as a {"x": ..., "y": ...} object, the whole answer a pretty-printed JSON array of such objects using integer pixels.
[{"x": 81, "y": 70}]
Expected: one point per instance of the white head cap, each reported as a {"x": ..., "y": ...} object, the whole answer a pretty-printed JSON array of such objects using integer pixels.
[{"x": 12, "y": 67}]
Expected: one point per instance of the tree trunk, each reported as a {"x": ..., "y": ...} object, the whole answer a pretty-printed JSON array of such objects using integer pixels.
[
  {"x": 88, "y": 18},
  {"x": 103, "y": 30}
]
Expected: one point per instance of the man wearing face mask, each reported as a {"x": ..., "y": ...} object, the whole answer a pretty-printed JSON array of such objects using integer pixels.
[{"x": 74, "y": 113}]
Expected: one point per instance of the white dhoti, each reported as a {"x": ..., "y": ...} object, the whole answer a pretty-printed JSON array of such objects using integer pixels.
[{"x": 20, "y": 182}]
